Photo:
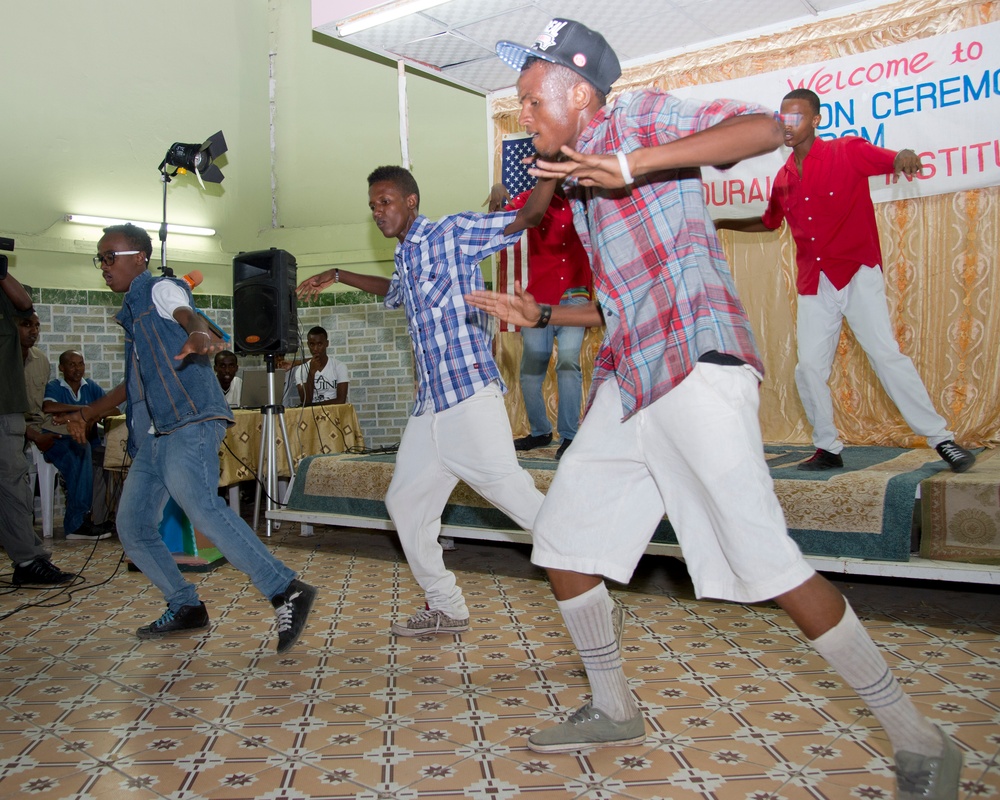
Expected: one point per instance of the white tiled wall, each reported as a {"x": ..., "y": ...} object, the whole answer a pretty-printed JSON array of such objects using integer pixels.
[{"x": 370, "y": 340}]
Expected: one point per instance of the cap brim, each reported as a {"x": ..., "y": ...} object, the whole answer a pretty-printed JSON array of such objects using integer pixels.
[{"x": 514, "y": 55}]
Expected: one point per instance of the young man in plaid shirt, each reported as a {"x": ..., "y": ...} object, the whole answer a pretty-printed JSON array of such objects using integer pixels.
[
  {"x": 672, "y": 424},
  {"x": 458, "y": 427}
]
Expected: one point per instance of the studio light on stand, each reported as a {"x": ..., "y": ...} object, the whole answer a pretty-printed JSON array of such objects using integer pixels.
[{"x": 184, "y": 158}]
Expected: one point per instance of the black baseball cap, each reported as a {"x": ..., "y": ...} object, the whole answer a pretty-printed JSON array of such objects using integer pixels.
[{"x": 571, "y": 44}]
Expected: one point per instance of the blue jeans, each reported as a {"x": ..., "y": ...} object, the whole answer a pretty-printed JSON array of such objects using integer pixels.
[
  {"x": 184, "y": 465},
  {"x": 569, "y": 377},
  {"x": 73, "y": 461}
]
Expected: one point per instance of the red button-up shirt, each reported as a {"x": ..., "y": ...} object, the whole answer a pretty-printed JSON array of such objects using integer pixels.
[
  {"x": 556, "y": 258},
  {"x": 829, "y": 209}
]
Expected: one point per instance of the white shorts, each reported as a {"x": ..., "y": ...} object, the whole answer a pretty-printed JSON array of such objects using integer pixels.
[{"x": 695, "y": 455}]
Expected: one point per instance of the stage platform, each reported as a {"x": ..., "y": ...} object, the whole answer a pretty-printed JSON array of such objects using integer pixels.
[{"x": 863, "y": 520}]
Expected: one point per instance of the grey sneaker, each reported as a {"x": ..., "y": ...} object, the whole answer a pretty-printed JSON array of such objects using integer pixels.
[
  {"x": 430, "y": 621},
  {"x": 925, "y": 778},
  {"x": 586, "y": 728}
]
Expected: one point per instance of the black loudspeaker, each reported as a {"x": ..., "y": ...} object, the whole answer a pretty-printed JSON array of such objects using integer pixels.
[{"x": 264, "y": 302}]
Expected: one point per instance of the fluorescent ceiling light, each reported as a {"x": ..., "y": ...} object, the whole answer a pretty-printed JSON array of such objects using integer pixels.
[
  {"x": 384, "y": 13},
  {"x": 104, "y": 222}
]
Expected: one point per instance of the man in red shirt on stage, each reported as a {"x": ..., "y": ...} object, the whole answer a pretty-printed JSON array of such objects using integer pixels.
[
  {"x": 823, "y": 192},
  {"x": 558, "y": 274}
]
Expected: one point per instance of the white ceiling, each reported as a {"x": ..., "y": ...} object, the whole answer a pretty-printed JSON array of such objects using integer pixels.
[{"x": 455, "y": 40}]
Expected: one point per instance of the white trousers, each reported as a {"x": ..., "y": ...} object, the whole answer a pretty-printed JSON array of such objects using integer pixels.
[
  {"x": 472, "y": 442},
  {"x": 695, "y": 454},
  {"x": 862, "y": 302}
]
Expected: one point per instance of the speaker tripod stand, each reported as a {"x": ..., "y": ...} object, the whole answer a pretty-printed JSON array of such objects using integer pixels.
[{"x": 273, "y": 415}]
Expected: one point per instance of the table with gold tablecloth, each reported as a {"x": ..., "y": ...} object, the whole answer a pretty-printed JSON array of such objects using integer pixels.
[{"x": 312, "y": 430}]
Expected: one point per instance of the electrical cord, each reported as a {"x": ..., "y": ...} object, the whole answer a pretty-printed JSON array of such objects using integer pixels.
[
  {"x": 373, "y": 451},
  {"x": 65, "y": 591},
  {"x": 252, "y": 471}
]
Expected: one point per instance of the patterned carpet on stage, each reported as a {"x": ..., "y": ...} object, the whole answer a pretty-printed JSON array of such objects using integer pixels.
[
  {"x": 865, "y": 510},
  {"x": 961, "y": 513}
]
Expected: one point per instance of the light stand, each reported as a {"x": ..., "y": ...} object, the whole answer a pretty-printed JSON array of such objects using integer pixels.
[
  {"x": 184, "y": 158},
  {"x": 268, "y": 446},
  {"x": 165, "y": 179}
]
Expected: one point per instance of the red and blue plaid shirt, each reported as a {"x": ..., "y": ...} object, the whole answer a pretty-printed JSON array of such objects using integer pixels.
[
  {"x": 660, "y": 274},
  {"x": 436, "y": 266}
]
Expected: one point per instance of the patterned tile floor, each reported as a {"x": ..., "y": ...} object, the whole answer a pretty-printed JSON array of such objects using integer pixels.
[{"x": 737, "y": 706}]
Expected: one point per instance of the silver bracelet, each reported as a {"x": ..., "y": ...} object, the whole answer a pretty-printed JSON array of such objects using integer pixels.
[
  {"x": 623, "y": 166},
  {"x": 206, "y": 333}
]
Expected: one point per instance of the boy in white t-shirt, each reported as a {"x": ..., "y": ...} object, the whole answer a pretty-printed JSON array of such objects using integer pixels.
[
  {"x": 321, "y": 380},
  {"x": 226, "y": 366}
]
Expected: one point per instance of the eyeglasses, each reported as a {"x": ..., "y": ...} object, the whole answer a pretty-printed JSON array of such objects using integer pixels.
[{"x": 107, "y": 259}]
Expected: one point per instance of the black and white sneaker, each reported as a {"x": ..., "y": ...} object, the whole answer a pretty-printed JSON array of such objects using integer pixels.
[
  {"x": 186, "y": 618},
  {"x": 958, "y": 458},
  {"x": 90, "y": 532},
  {"x": 40, "y": 572},
  {"x": 292, "y": 609}
]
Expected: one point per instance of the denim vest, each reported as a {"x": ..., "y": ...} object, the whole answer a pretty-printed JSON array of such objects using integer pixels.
[{"x": 160, "y": 390}]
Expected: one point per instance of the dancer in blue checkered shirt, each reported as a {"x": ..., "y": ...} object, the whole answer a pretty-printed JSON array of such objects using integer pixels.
[{"x": 458, "y": 428}]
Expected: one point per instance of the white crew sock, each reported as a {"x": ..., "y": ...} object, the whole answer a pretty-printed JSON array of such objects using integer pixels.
[
  {"x": 588, "y": 619},
  {"x": 850, "y": 650}
]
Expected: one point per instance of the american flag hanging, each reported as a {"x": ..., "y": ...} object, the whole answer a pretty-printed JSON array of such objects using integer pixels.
[
  {"x": 512, "y": 264},
  {"x": 513, "y": 173}
]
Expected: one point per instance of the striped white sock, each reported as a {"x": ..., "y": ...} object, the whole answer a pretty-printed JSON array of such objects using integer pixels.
[
  {"x": 588, "y": 619},
  {"x": 850, "y": 650}
]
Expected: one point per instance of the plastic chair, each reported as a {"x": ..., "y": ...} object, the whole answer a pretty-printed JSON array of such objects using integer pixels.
[{"x": 46, "y": 473}]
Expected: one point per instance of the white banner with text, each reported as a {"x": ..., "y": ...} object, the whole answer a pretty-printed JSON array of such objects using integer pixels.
[{"x": 938, "y": 96}]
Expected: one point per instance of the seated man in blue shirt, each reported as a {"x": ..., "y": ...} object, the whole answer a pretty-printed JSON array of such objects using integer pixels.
[
  {"x": 458, "y": 428},
  {"x": 76, "y": 462}
]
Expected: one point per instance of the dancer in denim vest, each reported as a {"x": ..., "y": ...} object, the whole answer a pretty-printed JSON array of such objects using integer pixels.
[{"x": 177, "y": 418}]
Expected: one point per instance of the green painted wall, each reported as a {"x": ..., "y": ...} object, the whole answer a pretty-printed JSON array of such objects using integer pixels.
[{"x": 96, "y": 92}]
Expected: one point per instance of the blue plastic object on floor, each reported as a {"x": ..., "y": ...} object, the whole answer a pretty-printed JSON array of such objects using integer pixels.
[{"x": 176, "y": 530}]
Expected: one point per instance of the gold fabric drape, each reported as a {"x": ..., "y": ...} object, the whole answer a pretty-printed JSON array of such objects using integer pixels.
[{"x": 940, "y": 252}]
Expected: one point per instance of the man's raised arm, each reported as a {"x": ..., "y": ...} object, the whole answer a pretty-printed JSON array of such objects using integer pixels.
[{"x": 732, "y": 140}]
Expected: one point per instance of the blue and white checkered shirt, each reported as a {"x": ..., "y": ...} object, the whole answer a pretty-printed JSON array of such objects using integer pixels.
[{"x": 436, "y": 266}]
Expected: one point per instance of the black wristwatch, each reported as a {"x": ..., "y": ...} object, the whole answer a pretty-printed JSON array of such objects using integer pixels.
[{"x": 543, "y": 318}]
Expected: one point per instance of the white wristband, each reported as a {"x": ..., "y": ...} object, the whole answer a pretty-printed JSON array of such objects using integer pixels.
[{"x": 623, "y": 165}]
